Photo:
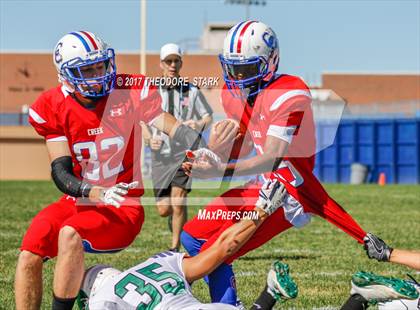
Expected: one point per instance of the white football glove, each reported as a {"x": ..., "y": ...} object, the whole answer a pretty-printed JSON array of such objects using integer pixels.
[
  {"x": 114, "y": 196},
  {"x": 271, "y": 197},
  {"x": 204, "y": 154}
]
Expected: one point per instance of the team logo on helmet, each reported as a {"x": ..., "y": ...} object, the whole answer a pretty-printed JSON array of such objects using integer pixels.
[
  {"x": 57, "y": 54},
  {"x": 270, "y": 39}
]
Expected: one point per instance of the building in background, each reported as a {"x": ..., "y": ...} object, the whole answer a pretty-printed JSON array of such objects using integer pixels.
[
  {"x": 24, "y": 76},
  {"x": 213, "y": 36}
]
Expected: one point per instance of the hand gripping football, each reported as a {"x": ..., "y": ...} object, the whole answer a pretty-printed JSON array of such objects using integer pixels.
[{"x": 229, "y": 139}]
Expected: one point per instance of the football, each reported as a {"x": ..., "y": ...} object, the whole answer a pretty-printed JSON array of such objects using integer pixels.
[{"x": 230, "y": 140}]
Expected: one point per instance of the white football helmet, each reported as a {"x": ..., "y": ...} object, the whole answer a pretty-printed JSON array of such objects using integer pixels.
[
  {"x": 95, "y": 278},
  {"x": 78, "y": 51},
  {"x": 250, "y": 56}
]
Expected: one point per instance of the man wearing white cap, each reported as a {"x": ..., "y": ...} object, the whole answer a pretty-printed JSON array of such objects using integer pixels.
[{"x": 188, "y": 105}]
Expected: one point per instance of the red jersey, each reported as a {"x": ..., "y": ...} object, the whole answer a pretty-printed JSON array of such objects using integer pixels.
[
  {"x": 283, "y": 110},
  {"x": 104, "y": 139}
]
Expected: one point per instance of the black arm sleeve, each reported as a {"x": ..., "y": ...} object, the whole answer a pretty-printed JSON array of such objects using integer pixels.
[
  {"x": 189, "y": 138},
  {"x": 64, "y": 179}
]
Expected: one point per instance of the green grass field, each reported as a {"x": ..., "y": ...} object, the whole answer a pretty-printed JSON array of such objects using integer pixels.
[{"x": 322, "y": 258}]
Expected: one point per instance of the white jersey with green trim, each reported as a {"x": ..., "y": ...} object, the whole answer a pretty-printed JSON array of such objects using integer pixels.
[{"x": 156, "y": 284}]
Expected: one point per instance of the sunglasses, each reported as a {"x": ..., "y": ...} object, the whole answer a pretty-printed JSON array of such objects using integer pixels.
[{"x": 170, "y": 61}]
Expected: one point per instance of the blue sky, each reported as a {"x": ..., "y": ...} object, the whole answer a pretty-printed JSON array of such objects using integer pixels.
[{"x": 314, "y": 36}]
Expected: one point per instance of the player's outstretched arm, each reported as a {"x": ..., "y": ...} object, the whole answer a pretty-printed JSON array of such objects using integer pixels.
[
  {"x": 201, "y": 124},
  {"x": 274, "y": 151},
  {"x": 65, "y": 180},
  {"x": 233, "y": 238},
  {"x": 186, "y": 136},
  {"x": 377, "y": 249},
  {"x": 407, "y": 258},
  {"x": 205, "y": 122},
  {"x": 167, "y": 123},
  {"x": 227, "y": 244}
]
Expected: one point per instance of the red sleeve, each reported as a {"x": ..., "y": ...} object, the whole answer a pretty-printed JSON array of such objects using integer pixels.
[
  {"x": 287, "y": 113},
  {"x": 42, "y": 116},
  {"x": 151, "y": 103}
]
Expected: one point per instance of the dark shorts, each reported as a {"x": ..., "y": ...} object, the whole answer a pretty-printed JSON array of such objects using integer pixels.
[{"x": 166, "y": 174}]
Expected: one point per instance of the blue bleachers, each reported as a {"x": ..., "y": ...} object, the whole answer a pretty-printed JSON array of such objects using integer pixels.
[
  {"x": 384, "y": 145},
  {"x": 389, "y": 145},
  {"x": 13, "y": 119}
]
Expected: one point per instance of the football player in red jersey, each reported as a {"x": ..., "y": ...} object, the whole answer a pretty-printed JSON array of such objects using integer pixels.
[
  {"x": 276, "y": 110},
  {"x": 93, "y": 137}
]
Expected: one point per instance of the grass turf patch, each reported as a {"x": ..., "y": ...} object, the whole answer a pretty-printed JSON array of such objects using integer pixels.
[{"x": 321, "y": 257}]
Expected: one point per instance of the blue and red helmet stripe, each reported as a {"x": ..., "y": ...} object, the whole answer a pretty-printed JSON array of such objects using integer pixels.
[
  {"x": 238, "y": 39},
  {"x": 239, "y": 45},
  {"x": 80, "y": 35},
  {"x": 91, "y": 39},
  {"x": 232, "y": 39}
]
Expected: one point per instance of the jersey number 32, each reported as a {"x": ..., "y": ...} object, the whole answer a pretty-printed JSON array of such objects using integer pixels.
[{"x": 94, "y": 167}]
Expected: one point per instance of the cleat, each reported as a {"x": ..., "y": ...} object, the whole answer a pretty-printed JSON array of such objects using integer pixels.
[
  {"x": 82, "y": 300},
  {"x": 375, "y": 288},
  {"x": 280, "y": 284}
]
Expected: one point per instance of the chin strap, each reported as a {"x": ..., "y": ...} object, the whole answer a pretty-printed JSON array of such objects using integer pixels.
[{"x": 65, "y": 84}]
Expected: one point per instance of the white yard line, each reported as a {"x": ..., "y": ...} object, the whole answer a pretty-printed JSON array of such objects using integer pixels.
[{"x": 10, "y": 234}]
